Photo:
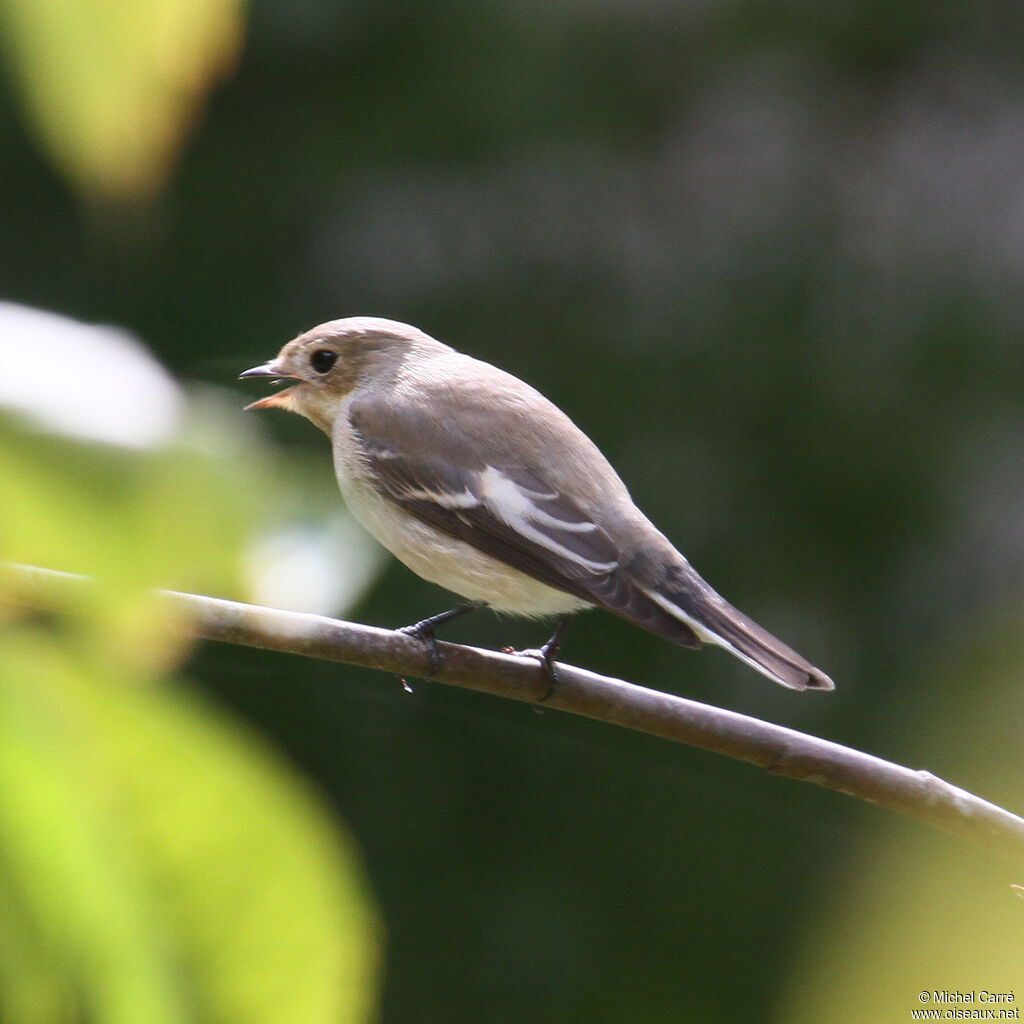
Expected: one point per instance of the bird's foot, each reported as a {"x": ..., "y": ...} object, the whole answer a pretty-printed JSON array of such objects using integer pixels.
[
  {"x": 545, "y": 654},
  {"x": 424, "y": 632},
  {"x": 425, "y": 628}
]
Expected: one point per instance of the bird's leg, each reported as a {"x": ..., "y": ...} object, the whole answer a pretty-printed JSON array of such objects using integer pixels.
[
  {"x": 424, "y": 629},
  {"x": 546, "y": 653}
]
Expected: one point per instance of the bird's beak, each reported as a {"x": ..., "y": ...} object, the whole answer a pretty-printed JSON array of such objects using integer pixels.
[
  {"x": 270, "y": 369},
  {"x": 281, "y": 399}
]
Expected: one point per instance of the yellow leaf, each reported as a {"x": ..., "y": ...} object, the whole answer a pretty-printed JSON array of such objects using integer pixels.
[{"x": 111, "y": 86}]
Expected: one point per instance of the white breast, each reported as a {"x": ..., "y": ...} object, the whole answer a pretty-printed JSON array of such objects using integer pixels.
[{"x": 446, "y": 561}]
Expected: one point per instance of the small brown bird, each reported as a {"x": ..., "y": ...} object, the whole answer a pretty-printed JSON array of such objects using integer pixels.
[{"x": 478, "y": 483}]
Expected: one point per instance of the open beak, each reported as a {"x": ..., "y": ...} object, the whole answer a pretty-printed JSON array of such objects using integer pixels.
[{"x": 277, "y": 400}]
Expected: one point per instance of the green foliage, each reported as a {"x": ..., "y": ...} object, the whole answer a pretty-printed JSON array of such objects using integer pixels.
[{"x": 158, "y": 862}]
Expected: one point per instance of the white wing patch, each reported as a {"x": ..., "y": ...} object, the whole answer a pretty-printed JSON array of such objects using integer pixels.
[
  {"x": 446, "y": 499},
  {"x": 516, "y": 506}
]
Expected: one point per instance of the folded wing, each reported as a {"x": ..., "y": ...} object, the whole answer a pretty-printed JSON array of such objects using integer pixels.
[{"x": 472, "y": 491}]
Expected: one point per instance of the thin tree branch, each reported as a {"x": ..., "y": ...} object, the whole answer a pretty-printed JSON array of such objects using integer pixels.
[{"x": 782, "y": 751}]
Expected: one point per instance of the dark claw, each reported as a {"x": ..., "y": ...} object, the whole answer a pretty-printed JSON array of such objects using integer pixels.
[
  {"x": 549, "y": 670},
  {"x": 546, "y": 656},
  {"x": 424, "y": 632}
]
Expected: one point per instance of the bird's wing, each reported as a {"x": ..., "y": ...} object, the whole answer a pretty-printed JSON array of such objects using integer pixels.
[{"x": 472, "y": 490}]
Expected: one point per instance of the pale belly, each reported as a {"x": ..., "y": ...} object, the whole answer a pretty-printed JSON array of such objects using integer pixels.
[{"x": 448, "y": 561}]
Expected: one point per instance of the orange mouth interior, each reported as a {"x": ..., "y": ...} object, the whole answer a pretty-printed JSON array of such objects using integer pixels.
[{"x": 278, "y": 400}]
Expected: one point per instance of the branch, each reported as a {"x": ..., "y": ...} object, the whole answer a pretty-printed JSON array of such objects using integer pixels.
[{"x": 781, "y": 751}]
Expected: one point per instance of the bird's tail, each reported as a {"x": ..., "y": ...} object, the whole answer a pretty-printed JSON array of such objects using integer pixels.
[{"x": 689, "y": 599}]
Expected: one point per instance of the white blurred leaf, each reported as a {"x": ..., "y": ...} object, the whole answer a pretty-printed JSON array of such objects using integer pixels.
[{"x": 89, "y": 382}]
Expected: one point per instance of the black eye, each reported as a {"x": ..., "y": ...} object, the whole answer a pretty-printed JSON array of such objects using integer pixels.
[{"x": 323, "y": 359}]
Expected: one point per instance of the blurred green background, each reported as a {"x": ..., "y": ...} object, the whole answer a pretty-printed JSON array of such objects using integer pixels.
[{"x": 768, "y": 254}]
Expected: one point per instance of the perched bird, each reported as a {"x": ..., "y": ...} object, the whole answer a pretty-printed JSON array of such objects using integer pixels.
[{"x": 478, "y": 483}]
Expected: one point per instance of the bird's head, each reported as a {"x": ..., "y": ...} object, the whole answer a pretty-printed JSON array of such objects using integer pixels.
[{"x": 328, "y": 362}]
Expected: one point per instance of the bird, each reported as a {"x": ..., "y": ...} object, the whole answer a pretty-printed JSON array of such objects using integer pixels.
[{"x": 478, "y": 483}]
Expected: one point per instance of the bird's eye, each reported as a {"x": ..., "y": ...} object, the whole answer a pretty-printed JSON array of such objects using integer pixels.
[{"x": 323, "y": 359}]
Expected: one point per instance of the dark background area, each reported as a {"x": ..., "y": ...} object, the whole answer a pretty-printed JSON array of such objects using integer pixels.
[{"x": 768, "y": 255}]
